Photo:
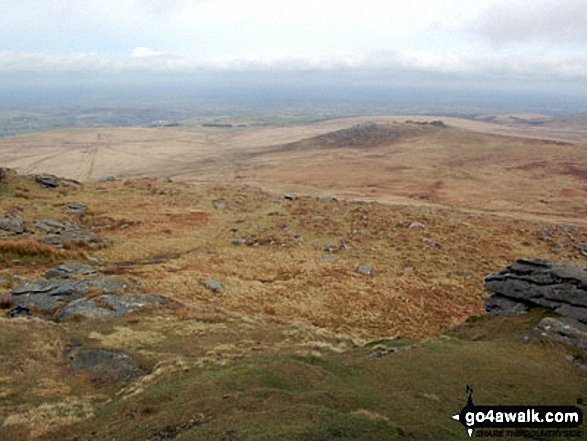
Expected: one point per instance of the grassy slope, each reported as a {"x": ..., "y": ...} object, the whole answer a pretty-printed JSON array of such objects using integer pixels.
[{"x": 280, "y": 354}]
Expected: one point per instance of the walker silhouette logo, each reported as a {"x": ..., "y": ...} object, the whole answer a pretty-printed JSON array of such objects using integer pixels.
[{"x": 537, "y": 421}]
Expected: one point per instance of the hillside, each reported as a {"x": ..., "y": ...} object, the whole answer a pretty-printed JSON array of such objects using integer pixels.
[
  {"x": 276, "y": 306},
  {"x": 466, "y": 164}
]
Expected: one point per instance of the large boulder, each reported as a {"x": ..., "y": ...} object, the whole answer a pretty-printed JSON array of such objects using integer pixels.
[{"x": 533, "y": 283}]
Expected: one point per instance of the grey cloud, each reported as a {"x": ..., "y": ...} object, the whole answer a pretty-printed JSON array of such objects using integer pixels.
[{"x": 556, "y": 21}]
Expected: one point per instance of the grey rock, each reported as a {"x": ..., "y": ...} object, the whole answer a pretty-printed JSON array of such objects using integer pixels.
[
  {"x": 109, "y": 306},
  {"x": 417, "y": 225},
  {"x": 104, "y": 179},
  {"x": 299, "y": 238},
  {"x": 77, "y": 208},
  {"x": 74, "y": 235},
  {"x": 47, "y": 181},
  {"x": 105, "y": 365},
  {"x": 3, "y": 282},
  {"x": 219, "y": 205},
  {"x": 327, "y": 199},
  {"x": 319, "y": 218},
  {"x": 13, "y": 223},
  {"x": 541, "y": 283},
  {"x": 68, "y": 270},
  {"x": 501, "y": 305},
  {"x": 290, "y": 197},
  {"x": 388, "y": 351},
  {"x": 330, "y": 258},
  {"x": 329, "y": 248},
  {"x": 49, "y": 225},
  {"x": 564, "y": 330},
  {"x": 214, "y": 285},
  {"x": 46, "y": 296},
  {"x": 366, "y": 270}
]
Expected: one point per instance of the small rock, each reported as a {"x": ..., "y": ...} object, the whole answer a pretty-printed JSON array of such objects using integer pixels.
[
  {"x": 330, "y": 258},
  {"x": 109, "y": 306},
  {"x": 104, "y": 179},
  {"x": 48, "y": 225},
  {"x": 417, "y": 225},
  {"x": 290, "y": 197},
  {"x": 319, "y": 218},
  {"x": 67, "y": 270},
  {"x": 409, "y": 268},
  {"x": 299, "y": 238},
  {"x": 13, "y": 223},
  {"x": 366, "y": 270},
  {"x": 214, "y": 285},
  {"x": 329, "y": 248},
  {"x": 219, "y": 205},
  {"x": 383, "y": 353},
  {"x": 47, "y": 181},
  {"x": 165, "y": 180},
  {"x": 77, "y": 208},
  {"x": 327, "y": 199}
]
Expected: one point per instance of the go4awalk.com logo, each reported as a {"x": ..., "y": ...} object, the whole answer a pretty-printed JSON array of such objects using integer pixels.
[{"x": 520, "y": 421}]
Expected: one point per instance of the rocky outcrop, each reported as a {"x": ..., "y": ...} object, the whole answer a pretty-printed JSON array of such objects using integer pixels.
[
  {"x": 528, "y": 284},
  {"x": 46, "y": 297},
  {"x": 533, "y": 283},
  {"x": 65, "y": 295},
  {"x": 62, "y": 235}
]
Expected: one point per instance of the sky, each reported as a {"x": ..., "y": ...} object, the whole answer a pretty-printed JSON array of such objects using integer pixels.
[{"x": 538, "y": 45}]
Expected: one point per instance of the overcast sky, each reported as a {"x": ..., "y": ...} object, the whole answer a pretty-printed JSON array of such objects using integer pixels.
[{"x": 536, "y": 43}]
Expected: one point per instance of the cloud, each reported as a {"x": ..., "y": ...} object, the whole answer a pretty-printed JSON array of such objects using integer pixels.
[
  {"x": 143, "y": 52},
  {"x": 555, "y": 21}
]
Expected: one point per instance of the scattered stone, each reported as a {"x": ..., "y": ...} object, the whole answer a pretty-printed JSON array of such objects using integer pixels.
[
  {"x": 327, "y": 199},
  {"x": 290, "y": 197},
  {"x": 366, "y": 270},
  {"x": 105, "y": 365},
  {"x": 417, "y": 225},
  {"x": 409, "y": 268},
  {"x": 330, "y": 258},
  {"x": 109, "y": 306},
  {"x": 77, "y": 208},
  {"x": 319, "y": 218},
  {"x": 12, "y": 223},
  {"x": 3, "y": 282},
  {"x": 104, "y": 179},
  {"x": 219, "y": 205},
  {"x": 214, "y": 285},
  {"x": 47, "y": 181},
  {"x": 329, "y": 248},
  {"x": 49, "y": 225},
  {"x": 67, "y": 270},
  {"x": 73, "y": 234},
  {"x": 299, "y": 238},
  {"x": 383, "y": 353},
  {"x": 165, "y": 180}
]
